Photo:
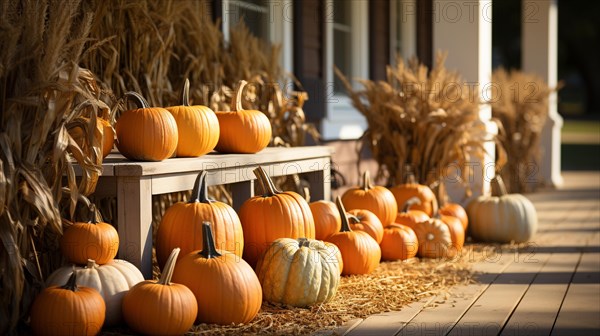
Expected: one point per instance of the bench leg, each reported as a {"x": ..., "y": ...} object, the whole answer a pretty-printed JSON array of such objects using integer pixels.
[
  {"x": 134, "y": 205},
  {"x": 240, "y": 192}
]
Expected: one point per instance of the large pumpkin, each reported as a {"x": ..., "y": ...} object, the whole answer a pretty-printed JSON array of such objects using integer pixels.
[
  {"x": 360, "y": 252},
  {"x": 434, "y": 239},
  {"x": 327, "y": 218},
  {"x": 365, "y": 220},
  {"x": 225, "y": 286},
  {"x": 92, "y": 240},
  {"x": 197, "y": 126},
  {"x": 242, "y": 131},
  {"x": 299, "y": 272},
  {"x": 410, "y": 188},
  {"x": 111, "y": 280},
  {"x": 160, "y": 307},
  {"x": 377, "y": 199},
  {"x": 67, "y": 309},
  {"x": 273, "y": 215},
  {"x": 410, "y": 217},
  {"x": 178, "y": 226},
  {"x": 146, "y": 133},
  {"x": 399, "y": 243},
  {"x": 503, "y": 218}
]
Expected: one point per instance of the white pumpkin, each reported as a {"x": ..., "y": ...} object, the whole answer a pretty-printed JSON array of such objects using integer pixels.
[
  {"x": 299, "y": 272},
  {"x": 503, "y": 218},
  {"x": 112, "y": 280}
]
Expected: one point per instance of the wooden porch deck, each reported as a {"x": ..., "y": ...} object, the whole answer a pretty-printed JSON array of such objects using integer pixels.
[{"x": 552, "y": 287}]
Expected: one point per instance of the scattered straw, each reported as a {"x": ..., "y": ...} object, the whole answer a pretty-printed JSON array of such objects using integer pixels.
[{"x": 390, "y": 287}]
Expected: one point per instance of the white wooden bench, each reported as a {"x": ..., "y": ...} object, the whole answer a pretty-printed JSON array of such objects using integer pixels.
[{"x": 134, "y": 183}]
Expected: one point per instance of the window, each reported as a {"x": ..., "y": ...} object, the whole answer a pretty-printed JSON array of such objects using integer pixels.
[
  {"x": 270, "y": 20},
  {"x": 346, "y": 30},
  {"x": 403, "y": 29}
]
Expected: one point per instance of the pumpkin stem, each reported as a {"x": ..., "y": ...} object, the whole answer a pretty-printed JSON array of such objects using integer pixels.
[
  {"x": 442, "y": 194},
  {"x": 138, "y": 99},
  {"x": 366, "y": 185},
  {"x": 71, "y": 283},
  {"x": 92, "y": 214},
  {"x": 236, "y": 99},
  {"x": 265, "y": 182},
  {"x": 353, "y": 218},
  {"x": 91, "y": 263},
  {"x": 343, "y": 214},
  {"x": 500, "y": 184},
  {"x": 410, "y": 202},
  {"x": 209, "y": 250},
  {"x": 185, "y": 93},
  {"x": 306, "y": 194},
  {"x": 165, "y": 277},
  {"x": 303, "y": 242},
  {"x": 200, "y": 191}
]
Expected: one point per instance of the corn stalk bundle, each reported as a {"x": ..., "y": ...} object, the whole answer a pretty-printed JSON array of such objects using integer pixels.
[
  {"x": 520, "y": 103},
  {"x": 420, "y": 118},
  {"x": 43, "y": 94}
]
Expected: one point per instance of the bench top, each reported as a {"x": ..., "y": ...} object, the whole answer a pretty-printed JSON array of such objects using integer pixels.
[{"x": 117, "y": 165}]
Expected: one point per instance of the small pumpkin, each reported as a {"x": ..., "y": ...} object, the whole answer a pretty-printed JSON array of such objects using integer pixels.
[
  {"x": 160, "y": 307},
  {"x": 226, "y": 287},
  {"x": 299, "y": 272},
  {"x": 410, "y": 188},
  {"x": 92, "y": 240},
  {"x": 327, "y": 218},
  {"x": 177, "y": 228},
  {"x": 360, "y": 252},
  {"x": 365, "y": 220},
  {"x": 146, "y": 133},
  {"x": 410, "y": 217},
  {"x": 434, "y": 239},
  {"x": 503, "y": 218},
  {"x": 457, "y": 233},
  {"x": 451, "y": 209},
  {"x": 399, "y": 243},
  {"x": 273, "y": 215},
  {"x": 112, "y": 280},
  {"x": 377, "y": 199},
  {"x": 242, "y": 131},
  {"x": 67, "y": 310},
  {"x": 105, "y": 133},
  {"x": 197, "y": 126}
]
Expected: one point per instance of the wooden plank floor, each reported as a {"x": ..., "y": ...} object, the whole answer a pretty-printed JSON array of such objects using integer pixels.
[{"x": 552, "y": 288}]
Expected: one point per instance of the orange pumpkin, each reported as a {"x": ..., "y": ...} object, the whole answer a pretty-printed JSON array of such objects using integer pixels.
[
  {"x": 411, "y": 188},
  {"x": 226, "y": 287},
  {"x": 92, "y": 240},
  {"x": 365, "y": 220},
  {"x": 360, "y": 252},
  {"x": 451, "y": 209},
  {"x": 178, "y": 229},
  {"x": 146, "y": 133},
  {"x": 410, "y": 217},
  {"x": 327, "y": 218},
  {"x": 434, "y": 239},
  {"x": 273, "y": 215},
  {"x": 242, "y": 131},
  {"x": 160, "y": 307},
  {"x": 376, "y": 199},
  {"x": 399, "y": 243},
  {"x": 104, "y": 130},
  {"x": 197, "y": 126},
  {"x": 457, "y": 233},
  {"x": 67, "y": 310}
]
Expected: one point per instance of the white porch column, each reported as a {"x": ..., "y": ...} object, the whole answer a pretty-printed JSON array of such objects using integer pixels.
[
  {"x": 539, "y": 56},
  {"x": 464, "y": 29}
]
